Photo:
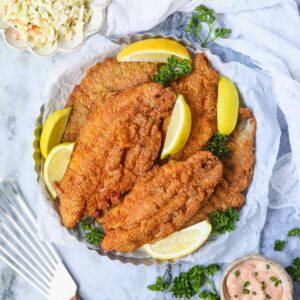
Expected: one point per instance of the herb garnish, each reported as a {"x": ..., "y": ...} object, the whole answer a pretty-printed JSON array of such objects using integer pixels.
[
  {"x": 237, "y": 273},
  {"x": 294, "y": 232},
  {"x": 267, "y": 266},
  {"x": 224, "y": 222},
  {"x": 275, "y": 280},
  {"x": 268, "y": 296},
  {"x": 263, "y": 285},
  {"x": 160, "y": 285},
  {"x": 253, "y": 293},
  {"x": 255, "y": 273},
  {"x": 279, "y": 245},
  {"x": 246, "y": 284},
  {"x": 294, "y": 269},
  {"x": 187, "y": 284},
  {"x": 92, "y": 233},
  {"x": 175, "y": 68},
  {"x": 203, "y": 14},
  {"x": 209, "y": 296},
  {"x": 217, "y": 146},
  {"x": 246, "y": 291}
]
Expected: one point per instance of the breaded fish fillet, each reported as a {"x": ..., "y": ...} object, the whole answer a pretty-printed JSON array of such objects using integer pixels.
[
  {"x": 119, "y": 142},
  {"x": 238, "y": 169},
  {"x": 200, "y": 90},
  {"x": 102, "y": 81},
  {"x": 161, "y": 202}
]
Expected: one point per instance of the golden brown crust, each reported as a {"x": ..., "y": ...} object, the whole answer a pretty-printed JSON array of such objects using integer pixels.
[
  {"x": 238, "y": 169},
  {"x": 101, "y": 82},
  {"x": 161, "y": 202},
  {"x": 119, "y": 142}
]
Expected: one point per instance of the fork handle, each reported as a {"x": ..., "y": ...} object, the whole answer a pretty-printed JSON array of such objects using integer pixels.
[{"x": 76, "y": 297}]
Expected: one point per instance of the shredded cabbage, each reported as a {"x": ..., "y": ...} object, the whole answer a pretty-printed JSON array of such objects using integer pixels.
[{"x": 43, "y": 22}]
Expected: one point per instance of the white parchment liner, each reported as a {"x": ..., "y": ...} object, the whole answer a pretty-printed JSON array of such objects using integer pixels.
[{"x": 255, "y": 92}]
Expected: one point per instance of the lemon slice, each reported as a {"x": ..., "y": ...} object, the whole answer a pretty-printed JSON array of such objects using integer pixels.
[
  {"x": 228, "y": 106},
  {"x": 56, "y": 164},
  {"x": 53, "y": 130},
  {"x": 179, "y": 128},
  {"x": 153, "y": 50},
  {"x": 180, "y": 243}
]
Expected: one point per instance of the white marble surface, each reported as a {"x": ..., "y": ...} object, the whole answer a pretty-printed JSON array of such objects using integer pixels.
[{"x": 22, "y": 77}]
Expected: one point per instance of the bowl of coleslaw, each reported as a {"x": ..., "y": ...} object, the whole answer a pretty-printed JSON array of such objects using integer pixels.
[{"x": 45, "y": 27}]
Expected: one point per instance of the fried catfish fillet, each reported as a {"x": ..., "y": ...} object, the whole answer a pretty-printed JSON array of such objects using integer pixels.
[
  {"x": 200, "y": 90},
  {"x": 238, "y": 169},
  {"x": 161, "y": 202},
  {"x": 102, "y": 81},
  {"x": 119, "y": 142}
]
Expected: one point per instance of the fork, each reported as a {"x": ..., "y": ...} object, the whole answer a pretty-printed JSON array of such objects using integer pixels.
[{"x": 36, "y": 261}]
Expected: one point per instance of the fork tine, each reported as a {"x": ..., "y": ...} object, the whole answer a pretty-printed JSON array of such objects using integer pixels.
[
  {"x": 24, "y": 209},
  {"x": 30, "y": 265},
  {"x": 30, "y": 244},
  {"x": 12, "y": 235},
  {"x": 18, "y": 268}
]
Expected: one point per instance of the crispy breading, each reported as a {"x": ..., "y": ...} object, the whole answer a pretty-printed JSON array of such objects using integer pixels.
[
  {"x": 119, "y": 142},
  {"x": 238, "y": 169},
  {"x": 101, "y": 82},
  {"x": 200, "y": 90},
  {"x": 161, "y": 202}
]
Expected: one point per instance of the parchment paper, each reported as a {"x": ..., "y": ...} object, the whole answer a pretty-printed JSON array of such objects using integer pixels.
[{"x": 255, "y": 91}]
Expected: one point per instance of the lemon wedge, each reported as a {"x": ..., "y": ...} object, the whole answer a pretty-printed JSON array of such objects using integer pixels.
[
  {"x": 53, "y": 130},
  {"x": 228, "y": 106},
  {"x": 153, "y": 50},
  {"x": 179, "y": 128},
  {"x": 180, "y": 243},
  {"x": 56, "y": 164}
]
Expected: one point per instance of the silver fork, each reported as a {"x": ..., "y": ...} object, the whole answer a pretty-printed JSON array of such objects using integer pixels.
[{"x": 36, "y": 261}]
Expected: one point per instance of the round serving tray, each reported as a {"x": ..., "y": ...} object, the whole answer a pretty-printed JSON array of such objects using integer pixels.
[{"x": 38, "y": 160}]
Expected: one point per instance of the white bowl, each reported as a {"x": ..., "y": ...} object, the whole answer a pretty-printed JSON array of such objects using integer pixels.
[
  {"x": 95, "y": 23},
  {"x": 281, "y": 270}
]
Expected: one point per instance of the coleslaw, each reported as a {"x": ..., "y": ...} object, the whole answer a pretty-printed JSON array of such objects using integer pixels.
[{"x": 42, "y": 23}]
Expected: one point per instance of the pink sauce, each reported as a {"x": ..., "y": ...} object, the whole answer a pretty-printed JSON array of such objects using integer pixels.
[{"x": 255, "y": 280}]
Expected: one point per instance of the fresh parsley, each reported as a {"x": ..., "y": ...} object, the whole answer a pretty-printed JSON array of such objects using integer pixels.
[
  {"x": 174, "y": 69},
  {"x": 222, "y": 222},
  {"x": 203, "y": 14},
  {"x": 160, "y": 285},
  {"x": 209, "y": 296},
  {"x": 294, "y": 232},
  {"x": 294, "y": 269},
  {"x": 279, "y": 245},
  {"x": 217, "y": 146},
  {"x": 92, "y": 233},
  {"x": 209, "y": 272},
  {"x": 187, "y": 284}
]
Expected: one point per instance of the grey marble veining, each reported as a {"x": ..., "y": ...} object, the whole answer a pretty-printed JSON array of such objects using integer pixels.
[{"x": 98, "y": 277}]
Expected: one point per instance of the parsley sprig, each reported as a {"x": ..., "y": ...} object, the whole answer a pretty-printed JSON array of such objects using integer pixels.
[
  {"x": 222, "y": 222},
  {"x": 92, "y": 233},
  {"x": 294, "y": 269},
  {"x": 203, "y": 14},
  {"x": 171, "y": 71},
  {"x": 217, "y": 146},
  {"x": 187, "y": 284},
  {"x": 279, "y": 245},
  {"x": 294, "y": 232},
  {"x": 160, "y": 285}
]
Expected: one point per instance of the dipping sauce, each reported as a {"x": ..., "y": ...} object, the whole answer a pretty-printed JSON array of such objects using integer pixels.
[{"x": 255, "y": 280}]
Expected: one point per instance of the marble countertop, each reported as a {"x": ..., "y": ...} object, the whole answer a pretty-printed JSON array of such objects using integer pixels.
[{"x": 97, "y": 277}]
